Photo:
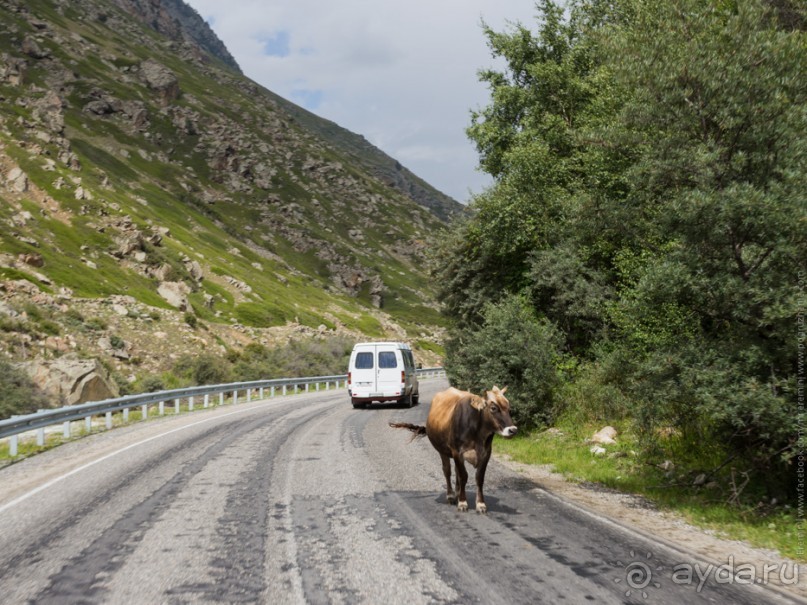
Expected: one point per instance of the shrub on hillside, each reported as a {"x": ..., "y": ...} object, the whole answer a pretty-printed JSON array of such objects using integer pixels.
[
  {"x": 202, "y": 369},
  {"x": 150, "y": 384},
  {"x": 310, "y": 357},
  {"x": 18, "y": 394}
]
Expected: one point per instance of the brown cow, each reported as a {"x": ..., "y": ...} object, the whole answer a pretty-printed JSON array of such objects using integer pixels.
[{"x": 461, "y": 426}]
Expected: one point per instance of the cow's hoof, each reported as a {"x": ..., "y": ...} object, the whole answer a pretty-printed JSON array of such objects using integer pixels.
[
  {"x": 481, "y": 508},
  {"x": 462, "y": 507},
  {"x": 451, "y": 498}
]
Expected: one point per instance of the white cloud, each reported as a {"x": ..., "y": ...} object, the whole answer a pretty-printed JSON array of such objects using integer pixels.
[{"x": 404, "y": 75}]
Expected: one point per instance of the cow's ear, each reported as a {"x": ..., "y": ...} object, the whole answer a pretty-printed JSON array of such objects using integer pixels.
[
  {"x": 478, "y": 403},
  {"x": 504, "y": 390}
]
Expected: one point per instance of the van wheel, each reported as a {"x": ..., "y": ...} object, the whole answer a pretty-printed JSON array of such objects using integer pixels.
[
  {"x": 416, "y": 399},
  {"x": 356, "y": 404},
  {"x": 408, "y": 401}
]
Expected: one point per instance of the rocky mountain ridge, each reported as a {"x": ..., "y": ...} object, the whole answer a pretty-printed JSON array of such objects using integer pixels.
[
  {"x": 156, "y": 202},
  {"x": 181, "y": 23}
]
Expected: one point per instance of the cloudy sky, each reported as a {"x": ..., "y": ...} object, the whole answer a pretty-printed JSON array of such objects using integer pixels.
[{"x": 403, "y": 74}]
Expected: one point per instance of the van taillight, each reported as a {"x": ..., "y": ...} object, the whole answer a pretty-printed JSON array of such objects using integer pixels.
[
  {"x": 403, "y": 376},
  {"x": 349, "y": 381}
]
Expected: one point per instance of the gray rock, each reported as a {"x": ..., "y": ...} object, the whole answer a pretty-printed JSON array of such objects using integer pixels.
[
  {"x": 31, "y": 48},
  {"x": 70, "y": 380},
  {"x": 160, "y": 79},
  {"x": 175, "y": 294},
  {"x": 17, "y": 180}
]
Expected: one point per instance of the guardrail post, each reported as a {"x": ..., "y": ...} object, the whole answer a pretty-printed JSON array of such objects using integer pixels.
[
  {"x": 261, "y": 393},
  {"x": 144, "y": 411},
  {"x": 235, "y": 396},
  {"x": 162, "y": 408},
  {"x": 126, "y": 414},
  {"x": 190, "y": 403},
  {"x": 249, "y": 395},
  {"x": 109, "y": 420},
  {"x": 306, "y": 387},
  {"x": 40, "y": 433},
  {"x": 284, "y": 389},
  {"x": 221, "y": 398},
  {"x": 272, "y": 391},
  {"x": 207, "y": 400},
  {"x": 66, "y": 430},
  {"x": 12, "y": 446}
]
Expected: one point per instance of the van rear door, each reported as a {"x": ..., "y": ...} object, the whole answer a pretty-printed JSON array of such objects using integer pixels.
[
  {"x": 389, "y": 372},
  {"x": 364, "y": 372}
]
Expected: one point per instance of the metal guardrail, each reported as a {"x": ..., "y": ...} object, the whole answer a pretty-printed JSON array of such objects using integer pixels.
[{"x": 12, "y": 427}]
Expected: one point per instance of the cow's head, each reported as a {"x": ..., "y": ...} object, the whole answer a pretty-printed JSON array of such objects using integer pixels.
[{"x": 497, "y": 407}]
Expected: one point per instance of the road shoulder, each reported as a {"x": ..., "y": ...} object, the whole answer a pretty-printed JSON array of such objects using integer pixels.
[{"x": 639, "y": 514}]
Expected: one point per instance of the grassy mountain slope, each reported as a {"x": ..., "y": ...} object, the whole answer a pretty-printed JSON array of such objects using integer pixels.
[{"x": 147, "y": 187}]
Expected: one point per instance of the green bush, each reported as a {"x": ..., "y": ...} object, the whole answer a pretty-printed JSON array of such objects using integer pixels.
[
  {"x": 202, "y": 369},
  {"x": 711, "y": 394},
  {"x": 595, "y": 393},
  {"x": 511, "y": 348},
  {"x": 18, "y": 394},
  {"x": 150, "y": 384},
  {"x": 96, "y": 324}
]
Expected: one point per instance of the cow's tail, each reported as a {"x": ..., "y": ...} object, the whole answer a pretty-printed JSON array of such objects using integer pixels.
[{"x": 417, "y": 430}]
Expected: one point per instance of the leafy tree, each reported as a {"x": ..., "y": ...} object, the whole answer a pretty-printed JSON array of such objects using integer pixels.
[
  {"x": 649, "y": 166},
  {"x": 717, "y": 103},
  {"x": 543, "y": 139},
  {"x": 486, "y": 255}
]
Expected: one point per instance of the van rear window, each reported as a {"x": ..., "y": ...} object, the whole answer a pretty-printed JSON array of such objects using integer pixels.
[
  {"x": 386, "y": 359},
  {"x": 364, "y": 361}
]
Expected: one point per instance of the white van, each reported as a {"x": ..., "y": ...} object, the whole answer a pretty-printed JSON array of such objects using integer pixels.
[{"x": 382, "y": 371}]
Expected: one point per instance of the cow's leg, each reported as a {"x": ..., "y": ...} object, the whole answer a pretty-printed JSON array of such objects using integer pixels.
[
  {"x": 483, "y": 458},
  {"x": 450, "y": 495},
  {"x": 462, "y": 479}
]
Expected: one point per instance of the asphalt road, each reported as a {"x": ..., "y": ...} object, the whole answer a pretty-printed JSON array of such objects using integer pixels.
[{"x": 303, "y": 499}]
